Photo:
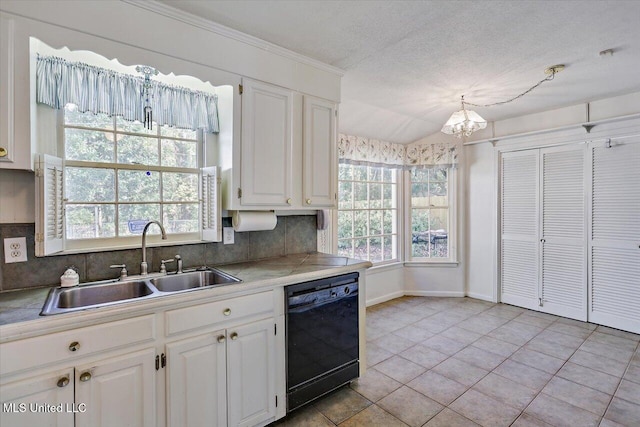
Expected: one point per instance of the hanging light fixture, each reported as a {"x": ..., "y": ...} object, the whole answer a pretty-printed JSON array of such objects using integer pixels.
[
  {"x": 465, "y": 122},
  {"x": 147, "y": 94}
]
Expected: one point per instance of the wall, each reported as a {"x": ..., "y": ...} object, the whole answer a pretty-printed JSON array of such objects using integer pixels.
[
  {"x": 384, "y": 283},
  {"x": 293, "y": 234}
]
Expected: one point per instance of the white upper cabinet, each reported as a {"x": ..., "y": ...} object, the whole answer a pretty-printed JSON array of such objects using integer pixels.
[
  {"x": 15, "y": 128},
  {"x": 266, "y": 175},
  {"x": 319, "y": 152},
  {"x": 288, "y": 151}
]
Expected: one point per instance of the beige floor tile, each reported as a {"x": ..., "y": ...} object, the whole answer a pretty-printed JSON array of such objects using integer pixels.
[
  {"x": 526, "y": 420},
  {"x": 449, "y": 418},
  {"x": 618, "y": 333},
  {"x": 409, "y": 406},
  {"x": 480, "y": 358},
  {"x": 546, "y": 346},
  {"x": 437, "y": 387},
  {"x": 621, "y": 342},
  {"x": 394, "y": 343},
  {"x": 459, "y": 371},
  {"x": 525, "y": 375},
  {"x": 589, "y": 377},
  {"x": 496, "y": 346},
  {"x": 559, "y": 413},
  {"x": 461, "y": 335},
  {"x": 570, "y": 329},
  {"x": 484, "y": 410},
  {"x": 341, "y": 405},
  {"x": 400, "y": 369},
  {"x": 414, "y": 333},
  {"x": 482, "y": 323},
  {"x": 443, "y": 345},
  {"x": 506, "y": 391},
  {"x": 599, "y": 363},
  {"x": 505, "y": 311},
  {"x": 374, "y": 385},
  {"x": 531, "y": 318},
  {"x": 376, "y": 354},
  {"x": 373, "y": 416},
  {"x": 624, "y": 412},
  {"x": 578, "y": 395},
  {"x": 308, "y": 416},
  {"x": 424, "y": 356},
  {"x": 633, "y": 373},
  {"x": 612, "y": 351},
  {"x": 608, "y": 423},
  {"x": 578, "y": 323},
  {"x": 512, "y": 332},
  {"x": 629, "y": 391},
  {"x": 406, "y": 317},
  {"x": 538, "y": 360}
]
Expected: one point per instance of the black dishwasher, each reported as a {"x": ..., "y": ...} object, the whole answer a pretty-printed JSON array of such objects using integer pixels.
[{"x": 322, "y": 337}]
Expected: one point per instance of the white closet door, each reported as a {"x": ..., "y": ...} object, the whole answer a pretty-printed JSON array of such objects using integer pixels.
[
  {"x": 519, "y": 228},
  {"x": 614, "y": 247},
  {"x": 563, "y": 258}
]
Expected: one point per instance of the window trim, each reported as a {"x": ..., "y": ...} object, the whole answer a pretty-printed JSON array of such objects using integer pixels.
[
  {"x": 398, "y": 259},
  {"x": 452, "y": 193}
]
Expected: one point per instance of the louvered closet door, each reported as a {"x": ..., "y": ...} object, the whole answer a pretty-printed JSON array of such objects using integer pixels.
[
  {"x": 615, "y": 234},
  {"x": 563, "y": 258},
  {"x": 519, "y": 228}
]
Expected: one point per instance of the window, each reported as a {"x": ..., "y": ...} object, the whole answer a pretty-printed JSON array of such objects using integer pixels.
[
  {"x": 431, "y": 214},
  {"x": 368, "y": 213},
  {"x": 118, "y": 175}
]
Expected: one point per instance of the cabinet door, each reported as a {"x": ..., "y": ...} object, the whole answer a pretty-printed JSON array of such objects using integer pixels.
[
  {"x": 119, "y": 391},
  {"x": 196, "y": 381},
  {"x": 519, "y": 222},
  {"x": 614, "y": 246},
  {"x": 267, "y": 142},
  {"x": 22, "y": 401},
  {"x": 251, "y": 367},
  {"x": 319, "y": 153},
  {"x": 563, "y": 264}
]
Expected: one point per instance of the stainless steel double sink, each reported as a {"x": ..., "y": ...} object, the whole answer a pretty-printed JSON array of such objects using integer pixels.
[{"x": 105, "y": 293}]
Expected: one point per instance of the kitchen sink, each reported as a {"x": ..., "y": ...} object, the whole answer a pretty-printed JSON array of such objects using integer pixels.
[
  {"x": 62, "y": 300},
  {"x": 100, "y": 294},
  {"x": 193, "y": 280}
]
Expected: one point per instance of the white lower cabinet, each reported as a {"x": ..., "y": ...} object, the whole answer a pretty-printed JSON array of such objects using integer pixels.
[
  {"x": 23, "y": 399},
  {"x": 119, "y": 391},
  {"x": 221, "y": 378}
]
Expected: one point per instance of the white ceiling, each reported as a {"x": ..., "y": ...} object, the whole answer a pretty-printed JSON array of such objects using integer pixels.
[{"x": 407, "y": 62}]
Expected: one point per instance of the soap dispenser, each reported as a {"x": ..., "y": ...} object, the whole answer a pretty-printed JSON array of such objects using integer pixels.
[{"x": 69, "y": 278}]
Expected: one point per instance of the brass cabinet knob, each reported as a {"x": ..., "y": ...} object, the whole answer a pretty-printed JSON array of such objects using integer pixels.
[
  {"x": 289, "y": 201},
  {"x": 63, "y": 382},
  {"x": 227, "y": 312},
  {"x": 74, "y": 346},
  {"x": 85, "y": 376},
  {"x": 308, "y": 201},
  {"x": 221, "y": 338},
  {"x": 3, "y": 152},
  {"x": 234, "y": 336}
]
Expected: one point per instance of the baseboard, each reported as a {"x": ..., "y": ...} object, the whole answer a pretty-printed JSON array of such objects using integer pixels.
[
  {"x": 385, "y": 298},
  {"x": 434, "y": 293},
  {"x": 480, "y": 296}
]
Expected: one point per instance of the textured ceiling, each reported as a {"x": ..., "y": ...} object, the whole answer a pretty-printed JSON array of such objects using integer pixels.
[{"x": 407, "y": 62}]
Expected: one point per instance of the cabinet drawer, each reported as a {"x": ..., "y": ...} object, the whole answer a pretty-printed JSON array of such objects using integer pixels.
[
  {"x": 185, "y": 319},
  {"x": 60, "y": 346}
]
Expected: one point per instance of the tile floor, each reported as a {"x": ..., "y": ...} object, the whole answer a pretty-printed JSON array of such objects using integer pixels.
[{"x": 465, "y": 362}]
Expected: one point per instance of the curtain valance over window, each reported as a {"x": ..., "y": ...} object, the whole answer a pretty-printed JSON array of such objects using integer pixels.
[
  {"x": 100, "y": 90},
  {"x": 365, "y": 151}
]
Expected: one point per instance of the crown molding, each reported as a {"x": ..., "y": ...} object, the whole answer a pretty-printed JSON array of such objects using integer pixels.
[{"x": 214, "y": 27}]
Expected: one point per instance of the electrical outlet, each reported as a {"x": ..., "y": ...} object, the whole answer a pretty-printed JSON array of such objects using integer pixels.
[
  {"x": 15, "y": 250},
  {"x": 227, "y": 235}
]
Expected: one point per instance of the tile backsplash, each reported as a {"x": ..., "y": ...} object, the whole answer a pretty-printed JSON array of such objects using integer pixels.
[{"x": 293, "y": 234}]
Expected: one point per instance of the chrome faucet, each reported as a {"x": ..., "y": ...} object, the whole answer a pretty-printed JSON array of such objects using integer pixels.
[
  {"x": 143, "y": 264},
  {"x": 179, "y": 259}
]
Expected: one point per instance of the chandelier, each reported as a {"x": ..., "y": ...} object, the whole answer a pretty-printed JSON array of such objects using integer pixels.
[{"x": 465, "y": 122}]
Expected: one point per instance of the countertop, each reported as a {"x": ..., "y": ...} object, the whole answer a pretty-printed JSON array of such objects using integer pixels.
[{"x": 20, "y": 310}]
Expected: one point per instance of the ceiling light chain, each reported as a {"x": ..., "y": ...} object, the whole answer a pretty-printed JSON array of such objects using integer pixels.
[
  {"x": 552, "y": 71},
  {"x": 465, "y": 122}
]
